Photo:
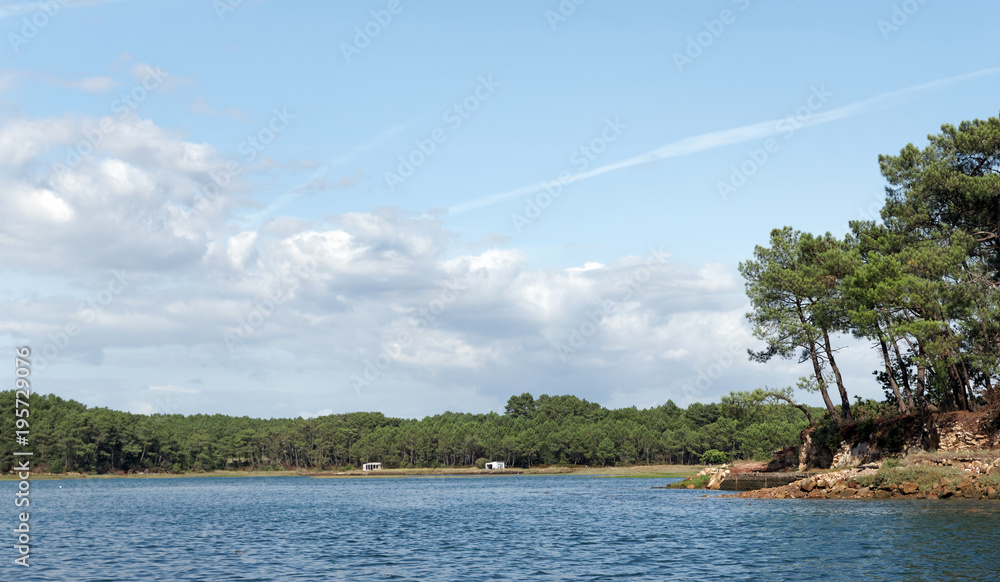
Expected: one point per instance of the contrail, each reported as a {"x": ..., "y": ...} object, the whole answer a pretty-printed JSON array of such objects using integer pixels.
[
  {"x": 10, "y": 10},
  {"x": 256, "y": 219},
  {"x": 715, "y": 139}
]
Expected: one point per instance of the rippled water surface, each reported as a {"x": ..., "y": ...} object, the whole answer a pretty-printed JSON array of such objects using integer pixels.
[{"x": 494, "y": 528}]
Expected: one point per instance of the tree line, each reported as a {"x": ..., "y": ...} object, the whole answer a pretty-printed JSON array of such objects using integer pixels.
[
  {"x": 922, "y": 285},
  {"x": 67, "y": 436}
]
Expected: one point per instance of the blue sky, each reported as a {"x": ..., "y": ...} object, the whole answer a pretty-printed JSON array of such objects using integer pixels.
[{"x": 282, "y": 194}]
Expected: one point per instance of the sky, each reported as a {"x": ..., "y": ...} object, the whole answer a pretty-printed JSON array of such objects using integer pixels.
[{"x": 282, "y": 209}]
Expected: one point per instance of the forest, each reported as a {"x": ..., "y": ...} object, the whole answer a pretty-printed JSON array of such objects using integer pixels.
[{"x": 67, "y": 436}]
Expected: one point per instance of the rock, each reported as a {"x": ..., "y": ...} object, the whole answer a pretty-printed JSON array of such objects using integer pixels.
[
  {"x": 881, "y": 494},
  {"x": 909, "y": 488},
  {"x": 816, "y": 494},
  {"x": 991, "y": 492},
  {"x": 849, "y": 492},
  {"x": 807, "y": 485},
  {"x": 690, "y": 486}
]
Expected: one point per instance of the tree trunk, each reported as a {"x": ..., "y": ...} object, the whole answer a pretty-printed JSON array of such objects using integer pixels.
[
  {"x": 844, "y": 398},
  {"x": 818, "y": 370},
  {"x": 957, "y": 389},
  {"x": 964, "y": 372},
  {"x": 892, "y": 377},
  {"x": 906, "y": 378}
]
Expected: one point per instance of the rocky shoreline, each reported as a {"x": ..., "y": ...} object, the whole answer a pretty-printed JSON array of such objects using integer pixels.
[{"x": 946, "y": 478}]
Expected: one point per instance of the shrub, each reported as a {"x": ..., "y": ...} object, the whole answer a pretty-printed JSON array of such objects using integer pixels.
[
  {"x": 828, "y": 436},
  {"x": 714, "y": 457},
  {"x": 481, "y": 463},
  {"x": 926, "y": 477},
  {"x": 699, "y": 482}
]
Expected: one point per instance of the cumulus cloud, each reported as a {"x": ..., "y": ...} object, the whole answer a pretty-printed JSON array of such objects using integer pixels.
[{"x": 362, "y": 310}]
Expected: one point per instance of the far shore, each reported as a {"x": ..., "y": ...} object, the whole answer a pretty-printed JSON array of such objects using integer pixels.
[{"x": 634, "y": 471}]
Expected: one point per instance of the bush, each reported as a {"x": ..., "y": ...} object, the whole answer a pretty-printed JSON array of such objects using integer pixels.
[
  {"x": 925, "y": 477},
  {"x": 481, "y": 463},
  {"x": 828, "y": 435},
  {"x": 699, "y": 482},
  {"x": 714, "y": 457}
]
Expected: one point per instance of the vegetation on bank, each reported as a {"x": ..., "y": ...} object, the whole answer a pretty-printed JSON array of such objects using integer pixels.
[
  {"x": 67, "y": 436},
  {"x": 922, "y": 284},
  {"x": 956, "y": 476}
]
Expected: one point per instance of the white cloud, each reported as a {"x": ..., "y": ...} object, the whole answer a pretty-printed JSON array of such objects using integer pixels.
[
  {"x": 99, "y": 84},
  {"x": 173, "y": 389},
  {"x": 317, "y": 302}
]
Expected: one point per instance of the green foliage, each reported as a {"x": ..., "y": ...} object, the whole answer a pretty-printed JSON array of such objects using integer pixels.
[
  {"x": 696, "y": 482},
  {"x": 68, "y": 436},
  {"x": 926, "y": 477},
  {"x": 714, "y": 457},
  {"x": 828, "y": 435},
  {"x": 922, "y": 285}
]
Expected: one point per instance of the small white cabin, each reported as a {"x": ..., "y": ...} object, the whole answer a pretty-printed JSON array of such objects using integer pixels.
[
  {"x": 372, "y": 467},
  {"x": 495, "y": 465}
]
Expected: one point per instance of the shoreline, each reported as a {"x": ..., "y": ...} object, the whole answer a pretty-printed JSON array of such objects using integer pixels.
[
  {"x": 967, "y": 475},
  {"x": 635, "y": 471}
]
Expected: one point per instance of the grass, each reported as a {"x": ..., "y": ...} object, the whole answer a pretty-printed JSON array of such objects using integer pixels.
[
  {"x": 980, "y": 454},
  {"x": 990, "y": 480},
  {"x": 699, "y": 482},
  {"x": 927, "y": 477},
  {"x": 635, "y": 471},
  {"x": 50, "y": 477}
]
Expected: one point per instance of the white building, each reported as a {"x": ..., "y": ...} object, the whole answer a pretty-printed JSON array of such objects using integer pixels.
[
  {"x": 372, "y": 467},
  {"x": 495, "y": 465}
]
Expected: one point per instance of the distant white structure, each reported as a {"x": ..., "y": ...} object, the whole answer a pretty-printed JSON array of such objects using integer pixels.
[
  {"x": 495, "y": 465},
  {"x": 372, "y": 467}
]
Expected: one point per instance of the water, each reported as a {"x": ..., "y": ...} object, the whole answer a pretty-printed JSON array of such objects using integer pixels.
[{"x": 496, "y": 528}]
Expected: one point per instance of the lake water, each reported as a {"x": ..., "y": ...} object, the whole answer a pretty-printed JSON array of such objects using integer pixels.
[{"x": 493, "y": 528}]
